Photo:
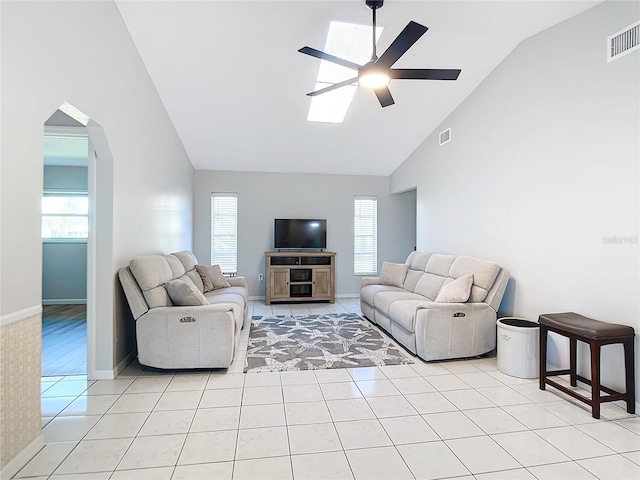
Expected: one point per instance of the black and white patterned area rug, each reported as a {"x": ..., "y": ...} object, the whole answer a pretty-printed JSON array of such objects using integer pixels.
[{"x": 314, "y": 342}]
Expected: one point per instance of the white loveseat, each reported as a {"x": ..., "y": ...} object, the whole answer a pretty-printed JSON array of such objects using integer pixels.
[
  {"x": 171, "y": 336},
  {"x": 436, "y": 331}
]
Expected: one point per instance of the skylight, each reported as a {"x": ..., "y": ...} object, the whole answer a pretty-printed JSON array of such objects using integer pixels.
[{"x": 351, "y": 42}]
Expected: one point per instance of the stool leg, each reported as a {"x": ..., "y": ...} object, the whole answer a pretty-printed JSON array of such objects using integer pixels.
[
  {"x": 543, "y": 356},
  {"x": 572, "y": 361},
  {"x": 630, "y": 375},
  {"x": 595, "y": 378}
]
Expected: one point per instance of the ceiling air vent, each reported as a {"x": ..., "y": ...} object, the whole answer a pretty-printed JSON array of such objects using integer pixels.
[
  {"x": 625, "y": 41},
  {"x": 445, "y": 137}
]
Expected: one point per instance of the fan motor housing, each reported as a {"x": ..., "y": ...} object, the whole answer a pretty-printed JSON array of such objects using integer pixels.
[{"x": 374, "y": 4}]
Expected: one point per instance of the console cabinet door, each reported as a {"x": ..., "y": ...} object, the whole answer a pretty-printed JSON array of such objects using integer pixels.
[
  {"x": 279, "y": 283},
  {"x": 322, "y": 283}
]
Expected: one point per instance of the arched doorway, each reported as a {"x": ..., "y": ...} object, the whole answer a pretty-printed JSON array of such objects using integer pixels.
[{"x": 99, "y": 239}]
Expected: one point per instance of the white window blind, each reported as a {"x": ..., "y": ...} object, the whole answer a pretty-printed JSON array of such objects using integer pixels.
[
  {"x": 365, "y": 232},
  {"x": 224, "y": 231},
  {"x": 65, "y": 215}
]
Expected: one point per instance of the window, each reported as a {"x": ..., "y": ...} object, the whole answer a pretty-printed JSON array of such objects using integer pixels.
[
  {"x": 224, "y": 231},
  {"x": 65, "y": 215},
  {"x": 365, "y": 235},
  {"x": 351, "y": 42}
]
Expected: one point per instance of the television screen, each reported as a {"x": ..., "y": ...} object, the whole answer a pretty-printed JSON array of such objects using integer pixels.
[{"x": 300, "y": 234}]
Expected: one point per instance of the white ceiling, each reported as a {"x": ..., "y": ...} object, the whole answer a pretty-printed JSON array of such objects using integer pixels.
[{"x": 235, "y": 86}]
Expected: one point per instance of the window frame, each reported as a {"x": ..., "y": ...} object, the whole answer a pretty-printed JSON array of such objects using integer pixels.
[
  {"x": 373, "y": 264},
  {"x": 227, "y": 269},
  {"x": 64, "y": 193}
]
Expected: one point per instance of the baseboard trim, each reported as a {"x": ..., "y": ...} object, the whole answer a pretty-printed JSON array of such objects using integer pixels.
[
  {"x": 20, "y": 315},
  {"x": 124, "y": 363},
  {"x": 101, "y": 375},
  {"x": 65, "y": 301},
  {"x": 111, "y": 374},
  {"x": 21, "y": 459},
  {"x": 257, "y": 297}
]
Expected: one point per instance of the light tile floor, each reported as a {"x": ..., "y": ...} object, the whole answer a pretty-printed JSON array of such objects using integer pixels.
[{"x": 457, "y": 419}]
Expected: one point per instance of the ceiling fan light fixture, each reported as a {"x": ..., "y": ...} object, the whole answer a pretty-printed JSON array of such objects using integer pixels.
[
  {"x": 372, "y": 76},
  {"x": 374, "y": 80}
]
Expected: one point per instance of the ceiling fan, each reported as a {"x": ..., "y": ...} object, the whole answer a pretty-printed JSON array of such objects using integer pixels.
[{"x": 377, "y": 73}]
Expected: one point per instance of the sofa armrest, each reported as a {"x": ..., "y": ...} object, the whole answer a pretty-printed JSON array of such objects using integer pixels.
[
  {"x": 237, "y": 281},
  {"x": 368, "y": 281},
  {"x": 462, "y": 307},
  {"x": 454, "y": 330},
  {"x": 188, "y": 337},
  {"x": 198, "y": 311}
]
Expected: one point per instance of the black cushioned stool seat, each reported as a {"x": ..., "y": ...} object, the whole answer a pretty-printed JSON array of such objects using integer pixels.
[{"x": 596, "y": 334}]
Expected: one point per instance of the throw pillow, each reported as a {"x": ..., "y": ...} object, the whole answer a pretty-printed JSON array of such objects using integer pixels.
[
  {"x": 393, "y": 274},
  {"x": 212, "y": 277},
  {"x": 184, "y": 292},
  {"x": 457, "y": 291}
]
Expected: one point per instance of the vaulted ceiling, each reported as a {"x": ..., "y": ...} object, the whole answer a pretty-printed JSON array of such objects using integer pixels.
[{"x": 234, "y": 85}]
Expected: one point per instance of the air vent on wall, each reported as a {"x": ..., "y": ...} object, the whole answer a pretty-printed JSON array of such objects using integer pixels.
[
  {"x": 625, "y": 41},
  {"x": 445, "y": 137}
]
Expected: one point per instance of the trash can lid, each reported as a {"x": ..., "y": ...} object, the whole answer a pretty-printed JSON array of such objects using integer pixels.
[{"x": 518, "y": 322}]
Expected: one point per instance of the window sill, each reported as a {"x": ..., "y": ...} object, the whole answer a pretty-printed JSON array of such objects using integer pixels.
[{"x": 64, "y": 240}]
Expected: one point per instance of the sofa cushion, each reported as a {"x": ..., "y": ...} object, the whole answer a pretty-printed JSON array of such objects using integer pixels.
[
  {"x": 418, "y": 260},
  {"x": 195, "y": 278},
  {"x": 441, "y": 264},
  {"x": 368, "y": 293},
  {"x": 384, "y": 300},
  {"x": 183, "y": 291},
  {"x": 187, "y": 258},
  {"x": 157, "y": 297},
  {"x": 412, "y": 279},
  {"x": 393, "y": 274},
  {"x": 484, "y": 275},
  {"x": 456, "y": 291},
  {"x": 225, "y": 296},
  {"x": 429, "y": 285},
  {"x": 403, "y": 312},
  {"x": 150, "y": 271},
  {"x": 215, "y": 296},
  {"x": 177, "y": 269},
  {"x": 212, "y": 277}
]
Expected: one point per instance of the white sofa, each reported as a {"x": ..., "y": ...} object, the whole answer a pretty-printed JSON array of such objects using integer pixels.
[
  {"x": 171, "y": 336},
  {"x": 436, "y": 331}
]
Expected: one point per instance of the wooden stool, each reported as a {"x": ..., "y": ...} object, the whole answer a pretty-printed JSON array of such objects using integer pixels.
[{"x": 595, "y": 333}]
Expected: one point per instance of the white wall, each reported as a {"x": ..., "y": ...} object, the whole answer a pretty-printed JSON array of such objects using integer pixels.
[
  {"x": 81, "y": 52},
  {"x": 44, "y": 65},
  {"x": 541, "y": 170},
  {"x": 265, "y": 196}
]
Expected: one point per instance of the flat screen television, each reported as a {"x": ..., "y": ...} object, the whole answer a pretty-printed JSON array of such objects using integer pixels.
[{"x": 302, "y": 234}]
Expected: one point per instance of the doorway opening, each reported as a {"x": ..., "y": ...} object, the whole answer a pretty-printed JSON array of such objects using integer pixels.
[
  {"x": 86, "y": 215},
  {"x": 65, "y": 231}
]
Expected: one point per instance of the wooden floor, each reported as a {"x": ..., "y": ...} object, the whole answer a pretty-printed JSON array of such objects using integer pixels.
[{"x": 64, "y": 340}]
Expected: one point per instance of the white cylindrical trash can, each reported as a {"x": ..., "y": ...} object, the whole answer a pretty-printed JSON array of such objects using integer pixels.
[{"x": 518, "y": 346}]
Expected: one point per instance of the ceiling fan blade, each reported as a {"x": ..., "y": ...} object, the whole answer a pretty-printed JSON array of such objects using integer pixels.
[
  {"x": 424, "y": 74},
  {"x": 329, "y": 58},
  {"x": 384, "y": 96},
  {"x": 333, "y": 87},
  {"x": 403, "y": 42}
]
